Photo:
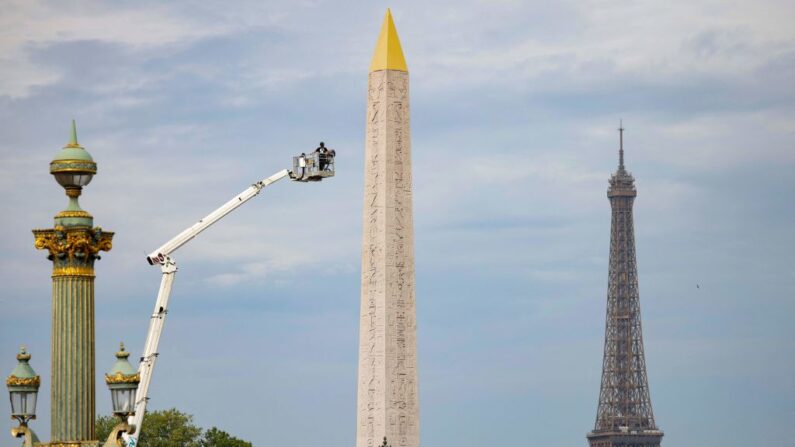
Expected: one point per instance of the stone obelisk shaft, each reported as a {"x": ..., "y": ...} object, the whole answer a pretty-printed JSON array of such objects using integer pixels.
[{"x": 388, "y": 404}]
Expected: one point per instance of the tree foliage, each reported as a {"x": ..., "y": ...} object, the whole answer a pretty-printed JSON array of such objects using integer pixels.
[
  {"x": 172, "y": 428},
  {"x": 104, "y": 425},
  {"x": 219, "y": 438},
  {"x": 169, "y": 428}
]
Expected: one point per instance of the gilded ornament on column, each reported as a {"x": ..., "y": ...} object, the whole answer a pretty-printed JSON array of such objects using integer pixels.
[
  {"x": 23, "y": 381},
  {"x": 73, "y": 242}
]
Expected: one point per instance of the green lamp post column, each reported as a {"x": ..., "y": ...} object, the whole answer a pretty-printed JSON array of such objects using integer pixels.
[{"x": 73, "y": 245}]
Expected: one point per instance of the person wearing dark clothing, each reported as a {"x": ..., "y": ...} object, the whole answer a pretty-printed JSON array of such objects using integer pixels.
[{"x": 322, "y": 156}]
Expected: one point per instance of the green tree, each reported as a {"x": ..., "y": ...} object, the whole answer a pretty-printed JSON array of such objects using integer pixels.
[
  {"x": 164, "y": 428},
  {"x": 171, "y": 428},
  {"x": 219, "y": 438},
  {"x": 104, "y": 425}
]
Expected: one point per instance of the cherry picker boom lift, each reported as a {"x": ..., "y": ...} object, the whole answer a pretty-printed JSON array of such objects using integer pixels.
[{"x": 312, "y": 167}]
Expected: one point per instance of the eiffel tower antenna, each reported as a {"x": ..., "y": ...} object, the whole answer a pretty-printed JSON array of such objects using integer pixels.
[{"x": 621, "y": 147}]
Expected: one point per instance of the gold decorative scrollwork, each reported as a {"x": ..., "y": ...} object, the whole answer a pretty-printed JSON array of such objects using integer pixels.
[
  {"x": 105, "y": 242},
  {"x": 23, "y": 381},
  {"x": 45, "y": 240},
  {"x": 80, "y": 243},
  {"x": 121, "y": 378}
]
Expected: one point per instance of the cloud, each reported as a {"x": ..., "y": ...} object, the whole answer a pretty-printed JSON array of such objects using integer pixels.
[{"x": 33, "y": 25}]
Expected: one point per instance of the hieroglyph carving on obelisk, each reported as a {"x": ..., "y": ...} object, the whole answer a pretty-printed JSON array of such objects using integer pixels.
[{"x": 388, "y": 401}]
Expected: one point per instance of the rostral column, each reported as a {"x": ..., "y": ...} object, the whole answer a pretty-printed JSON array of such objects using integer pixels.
[
  {"x": 73, "y": 245},
  {"x": 388, "y": 401}
]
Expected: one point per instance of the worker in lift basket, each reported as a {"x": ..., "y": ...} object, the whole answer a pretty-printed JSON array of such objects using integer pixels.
[
  {"x": 302, "y": 164},
  {"x": 332, "y": 153},
  {"x": 322, "y": 156}
]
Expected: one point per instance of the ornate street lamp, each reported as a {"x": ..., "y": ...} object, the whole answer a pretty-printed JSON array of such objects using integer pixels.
[
  {"x": 23, "y": 388},
  {"x": 73, "y": 168},
  {"x": 122, "y": 381}
]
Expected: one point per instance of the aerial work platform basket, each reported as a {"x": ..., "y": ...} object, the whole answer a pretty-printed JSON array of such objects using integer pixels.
[{"x": 314, "y": 166}]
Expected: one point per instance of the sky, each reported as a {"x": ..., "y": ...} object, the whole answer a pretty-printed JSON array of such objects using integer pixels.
[{"x": 514, "y": 110}]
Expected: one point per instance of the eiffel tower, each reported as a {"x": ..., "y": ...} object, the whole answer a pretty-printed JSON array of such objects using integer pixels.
[{"x": 624, "y": 417}]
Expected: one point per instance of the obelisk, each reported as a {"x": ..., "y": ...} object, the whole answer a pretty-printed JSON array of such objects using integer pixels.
[{"x": 388, "y": 401}]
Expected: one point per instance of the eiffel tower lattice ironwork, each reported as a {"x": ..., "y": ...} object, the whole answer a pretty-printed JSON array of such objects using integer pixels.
[{"x": 624, "y": 417}]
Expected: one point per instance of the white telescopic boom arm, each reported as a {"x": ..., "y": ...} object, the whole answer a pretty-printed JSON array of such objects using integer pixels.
[
  {"x": 158, "y": 256},
  {"x": 169, "y": 268}
]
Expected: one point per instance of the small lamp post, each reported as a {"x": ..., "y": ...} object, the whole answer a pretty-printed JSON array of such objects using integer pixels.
[
  {"x": 23, "y": 388},
  {"x": 122, "y": 380}
]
